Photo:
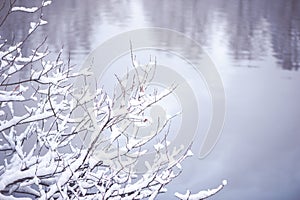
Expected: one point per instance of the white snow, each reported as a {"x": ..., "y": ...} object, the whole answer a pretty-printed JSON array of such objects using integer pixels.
[
  {"x": 43, "y": 22},
  {"x": 24, "y": 9},
  {"x": 46, "y": 3},
  {"x": 158, "y": 146},
  {"x": 6, "y": 124},
  {"x": 189, "y": 153},
  {"x": 5, "y": 98},
  {"x": 33, "y": 26},
  {"x": 200, "y": 195}
]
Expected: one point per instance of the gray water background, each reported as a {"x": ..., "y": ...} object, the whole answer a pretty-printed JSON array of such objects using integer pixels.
[{"x": 256, "y": 48}]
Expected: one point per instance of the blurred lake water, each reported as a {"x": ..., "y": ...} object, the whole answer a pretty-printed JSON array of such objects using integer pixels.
[
  {"x": 255, "y": 45},
  {"x": 249, "y": 33}
]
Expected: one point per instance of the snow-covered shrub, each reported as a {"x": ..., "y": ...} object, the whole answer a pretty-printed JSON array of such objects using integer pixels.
[{"x": 59, "y": 141}]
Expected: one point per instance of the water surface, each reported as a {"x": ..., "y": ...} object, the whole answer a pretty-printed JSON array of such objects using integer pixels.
[{"x": 256, "y": 48}]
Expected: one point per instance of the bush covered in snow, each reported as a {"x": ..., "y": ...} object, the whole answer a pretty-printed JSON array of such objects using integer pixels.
[{"x": 59, "y": 141}]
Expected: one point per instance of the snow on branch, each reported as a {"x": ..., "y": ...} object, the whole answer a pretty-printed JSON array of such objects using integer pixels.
[
  {"x": 24, "y": 9},
  {"x": 201, "y": 195},
  {"x": 30, "y": 9}
]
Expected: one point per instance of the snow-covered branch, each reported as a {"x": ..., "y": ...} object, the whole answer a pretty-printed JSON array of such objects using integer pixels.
[{"x": 201, "y": 195}]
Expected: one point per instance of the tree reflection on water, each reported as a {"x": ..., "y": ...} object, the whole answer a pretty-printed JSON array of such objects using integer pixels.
[{"x": 252, "y": 28}]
